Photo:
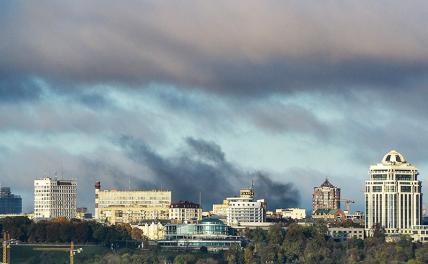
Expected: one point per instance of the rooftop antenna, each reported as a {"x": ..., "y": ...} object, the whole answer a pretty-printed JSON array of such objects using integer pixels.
[{"x": 200, "y": 199}]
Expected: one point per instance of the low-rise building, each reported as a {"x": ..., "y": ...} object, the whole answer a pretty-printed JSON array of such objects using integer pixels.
[
  {"x": 292, "y": 213},
  {"x": 356, "y": 217},
  {"x": 220, "y": 209},
  {"x": 210, "y": 233},
  {"x": 344, "y": 233},
  {"x": 329, "y": 214},
  {"x": 131, "y": 206},
  {"x": 83, "y": 214},
  {"x": 153, "y": 230},
  {"x": 185, "y": 211},
  {"x": 420, "y": 233}
]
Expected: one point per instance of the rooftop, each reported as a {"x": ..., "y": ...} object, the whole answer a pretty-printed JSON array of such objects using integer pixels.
[
  {"x": 393, "y": 157},
  {"x": 185, "y": 204},
  {"x": 326, "y": 183}
]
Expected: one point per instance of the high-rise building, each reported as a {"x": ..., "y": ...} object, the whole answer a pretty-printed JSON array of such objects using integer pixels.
[
  {"x": 185, "y": 211},
  {"x": 128, "y": 206},
  {"x": 9, "y": 203},
  {"x": 326, "y": 196},
  {"x": 54, "y": 198},
  {"x": 393, "y": 195}
]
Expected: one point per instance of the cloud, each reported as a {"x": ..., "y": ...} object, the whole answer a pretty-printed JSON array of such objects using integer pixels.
[
  {"x": 238, "y": 47},
  {"x": 17, "y": 89}
]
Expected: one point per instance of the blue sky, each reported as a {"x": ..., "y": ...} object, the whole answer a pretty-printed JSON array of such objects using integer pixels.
[{"x": 195, "y": 96}]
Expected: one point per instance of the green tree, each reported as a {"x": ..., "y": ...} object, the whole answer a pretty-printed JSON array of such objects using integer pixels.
[{"x": 234, "y": 255}]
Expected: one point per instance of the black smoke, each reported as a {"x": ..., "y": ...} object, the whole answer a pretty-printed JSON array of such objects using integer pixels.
[{"x": 201, "y": 167}]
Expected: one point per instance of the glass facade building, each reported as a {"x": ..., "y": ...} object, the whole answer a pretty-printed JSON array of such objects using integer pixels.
[
  {"x": 9, "y": 203},
  {"x": 210, "y": 232}
]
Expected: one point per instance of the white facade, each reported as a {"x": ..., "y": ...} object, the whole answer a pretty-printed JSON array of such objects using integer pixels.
[
  {"x": 393, "y": 195},
  {"x": 153, "y": 231},
  {"x": 54, "y": 198},
  {"x": 244, "y": 211},
  {"x": 293, "y": 213}
]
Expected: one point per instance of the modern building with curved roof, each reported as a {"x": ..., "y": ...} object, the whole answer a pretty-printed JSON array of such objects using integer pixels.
[
  {"x": 209, "y": 232},
  {"x": 393, "y": 195}
]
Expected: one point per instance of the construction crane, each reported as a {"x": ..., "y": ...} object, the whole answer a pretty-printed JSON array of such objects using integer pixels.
[
  {"x": 6, "y": 248},
  {"x": 347, "y": 204},
  {"x": 72, "y": 251}
]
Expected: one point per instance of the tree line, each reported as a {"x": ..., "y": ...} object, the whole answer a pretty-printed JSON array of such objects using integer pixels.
[
  {"x": 63, "y": 231},
  {"x": 310, "y": 244},
  {"x": 294, "y": 244}
]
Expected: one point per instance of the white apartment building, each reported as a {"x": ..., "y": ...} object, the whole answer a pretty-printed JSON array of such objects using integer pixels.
[
  {"x": 393, "y": 195},
  {"x": 293, "y": 213},
  {"x": 129, "y": 206},
  {"x": 185, "y": 211},
  {"x": 54, "y": 198},
  {"x": 243, "y": 210}
]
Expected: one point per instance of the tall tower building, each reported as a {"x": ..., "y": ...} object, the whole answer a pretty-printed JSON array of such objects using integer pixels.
[
  {"x": 393, "y": 195},
  {"x": 54, "y": 198},
  {"x": 326, "y": 196}
]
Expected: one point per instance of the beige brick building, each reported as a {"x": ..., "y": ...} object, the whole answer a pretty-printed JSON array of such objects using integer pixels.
[{"x": 133, "y": 207}]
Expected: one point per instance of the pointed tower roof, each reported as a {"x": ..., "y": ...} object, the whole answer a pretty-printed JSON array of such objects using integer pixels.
[{"x": 326, "y": 183}]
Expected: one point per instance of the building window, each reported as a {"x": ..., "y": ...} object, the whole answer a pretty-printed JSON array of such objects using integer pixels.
[
  {"x": 406, "y": 188},
  {"x": 379, "y": 176},
  {"x": 403, "y": 177},
  {"x": 377, "y": 188}
]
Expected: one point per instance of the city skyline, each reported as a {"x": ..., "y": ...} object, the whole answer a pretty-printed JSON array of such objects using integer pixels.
[
  {"x": 208, "y": 207},
  {"x": 203, "y": 97}
]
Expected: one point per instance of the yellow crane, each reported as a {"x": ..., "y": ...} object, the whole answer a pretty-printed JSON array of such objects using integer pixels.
[
  {"x": 72, "y": 251},
  {"x": 6, "y": 248}
]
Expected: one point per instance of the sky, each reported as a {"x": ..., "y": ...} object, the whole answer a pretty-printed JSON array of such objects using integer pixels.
[{"x": 206, "y": 96}]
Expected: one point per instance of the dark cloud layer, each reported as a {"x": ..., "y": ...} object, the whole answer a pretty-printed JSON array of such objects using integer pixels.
[
  {"x": 18, "y": 88},
  {"x": 243, "y": 47},
  {"x": 202, "y": 167}
]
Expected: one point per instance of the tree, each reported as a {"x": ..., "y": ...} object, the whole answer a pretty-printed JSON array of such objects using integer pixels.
[
  {"x": 421, "y": 253},
  {"x": 275, "y": 235},
  {"x": 234, "y": 255},
  {"x": 137, "y": 234}
]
